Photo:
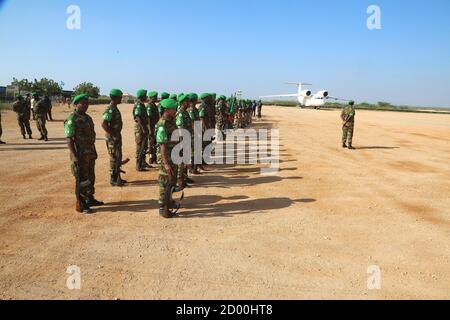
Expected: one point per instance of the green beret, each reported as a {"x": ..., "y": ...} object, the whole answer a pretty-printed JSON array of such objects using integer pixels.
[
  {"x": 205, "y": 95},
  {"x": 192, "y": 96},
  {"x": 80, "y": 97},
  {"x": 141, "y": 93},
  {"x": 182, "y": 97},
  {"x": 169, "y": 104},
  {"x": 222, "y": 98},
  {"x": 35, "y": 94},
  {"x": 165, "y": 95},
  {"x": 351, "y": 103},
  {"x": 153, "y": 94},
  {"x": 115, "y": 93},
  {"x": 181, "y": 94},
  {"x": 19, "y": 96},
  {"x": 173, "y": 96}
]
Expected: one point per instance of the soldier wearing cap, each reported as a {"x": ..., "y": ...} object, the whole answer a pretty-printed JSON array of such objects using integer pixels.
[
  {"x": 22, "y": 109},
  {"x": 348, "y": 126},
  {"x": 80, "y": 133},
  {"x": 1, "y": 142},
  {"x": 164, "y": 96},
  {"x": 112, "y": 124},
  {"x": 40, "y": 111},
  {"x": 153, "y": 118},
  {"x": 141, "y": 130},
  {"x": 167, "y": 169},
  {"x": 221, "y": 114},
  {"x": 184, "y": 121},
  {"x": 195, "y": 117}
]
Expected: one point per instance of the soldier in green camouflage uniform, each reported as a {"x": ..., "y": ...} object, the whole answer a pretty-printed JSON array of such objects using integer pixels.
[
  {"x": 141, "y": 130},
  {"x": 183, "y": 121},
  {"x": 221, "y": 114},
  {"x": 40, "y": 111},
  {"x": 112, "y": 124},
  {"x": 23, "y": 116},
  {"x": 164, "y": 96},
  {"x": 167, "y": 169},
  {"x": 80, "y": 133},
  {"x": 153, "y": 118},
  {"x": 259, "y": 108},
  {"x": 195, "y": 117},
  {"x": 348, "y": 119}
]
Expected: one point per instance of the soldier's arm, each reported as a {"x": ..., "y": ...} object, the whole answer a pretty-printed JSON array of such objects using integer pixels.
[{"x": 72, "y": 148}]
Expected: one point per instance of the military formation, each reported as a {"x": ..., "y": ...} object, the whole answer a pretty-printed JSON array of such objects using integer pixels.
[{"x": 156, "y": 118}]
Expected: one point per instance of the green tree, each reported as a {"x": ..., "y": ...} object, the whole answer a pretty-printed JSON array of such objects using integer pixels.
[
  {"x": 88, "y": 88},
  {"x": 22, "y": 85},
  {"x": 46, "y": 87}
]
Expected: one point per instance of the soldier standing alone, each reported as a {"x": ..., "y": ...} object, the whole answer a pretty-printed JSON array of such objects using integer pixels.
[
  {"x": 112, "y": 124},
  {"x": 23, "y": 116},
  {"x": 80, "y": 133},
  {"x": 348, "y": 119}
]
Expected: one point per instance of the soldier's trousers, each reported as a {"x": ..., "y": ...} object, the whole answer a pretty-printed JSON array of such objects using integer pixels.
[
  {"x": 40, "y": 123},
  {"x": 24, "y": 124},
  {"x": 141, "y": 139},
  {"x": 87, "y": 176},
  {"x": 165, "y": 181},
  {"x": 115, "y": 156},
  {"x": 259, "y": 113},
  {"x": 152, "y": 145},
  {"x": 347, "y": 133},
  {"x": 1, "y": 131}
]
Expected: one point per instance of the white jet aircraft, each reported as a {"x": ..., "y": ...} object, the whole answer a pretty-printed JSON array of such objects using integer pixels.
[{"x": 305, "y": 97}]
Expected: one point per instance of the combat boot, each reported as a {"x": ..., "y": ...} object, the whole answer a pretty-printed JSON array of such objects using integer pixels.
[
  {"x": 82, "y": 207},
  {"x": 30, "y": 137},
  {"x": 41, "y": 138},
  {"x": 24, "y": 137},
  {"x": 45, "y": 138},
  {"x": 2, "y": 142},
  {"x": 344, "y": 145},
  {"x": 351, "y": 147},
  {"x": 166, "y": 213},
  {"x": 92, "y": 202}
]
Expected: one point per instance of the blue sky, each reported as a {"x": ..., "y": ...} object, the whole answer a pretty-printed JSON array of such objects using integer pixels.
[{"x": 225, "y": 45}]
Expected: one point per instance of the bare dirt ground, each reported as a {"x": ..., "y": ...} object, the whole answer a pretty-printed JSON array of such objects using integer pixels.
[{"x": 310, "y": 231}]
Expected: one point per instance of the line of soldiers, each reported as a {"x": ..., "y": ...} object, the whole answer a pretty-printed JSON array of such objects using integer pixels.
[{"x": 153, "y": 128}]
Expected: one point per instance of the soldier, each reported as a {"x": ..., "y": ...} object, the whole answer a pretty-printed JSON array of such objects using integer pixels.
[
  {"x": 49, "y": 106},
  {"x": 348, "y": 119},
  {"x": 80, "y": 133},
  {"x": 259, "y": 107},
  {"x": 141, "y": 130},
  {"x": 164, "y": 96},
  {"x": 183, "y": 121},
  {"x": 112, "y": 124},
  {"x": 40, "y": 111},
  {"x": 221, "y": 115},
  {"x": 167, "y": 169},
  {"x": 23, "y": 116},
  {"x": 195, "y": 117},
  {"x": 173, "y": 96},
  {"x": 153, "y": 118}
]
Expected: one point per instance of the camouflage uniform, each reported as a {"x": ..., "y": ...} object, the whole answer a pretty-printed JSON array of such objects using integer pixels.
[
  {"x": 348, "y": 117},
  {"x": 164, "y": 130},
  {"x": 259, "y": 107},
  {"x": 113, "y": 117},
  {"x": 184, "y": 121},
  {"x": 141, "y": 135},
  {"x": 1, "y": 131},
  {"x": 40, "y": 110},
  {"x": 80, "y": 128},
  {"x": 153, "y": 118},
  {"x": 221, "y": 115},
  {"x": 22, "y": 109}
]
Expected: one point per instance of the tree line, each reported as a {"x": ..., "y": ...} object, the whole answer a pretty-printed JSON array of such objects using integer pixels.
[{"x": 51, "y": 88}]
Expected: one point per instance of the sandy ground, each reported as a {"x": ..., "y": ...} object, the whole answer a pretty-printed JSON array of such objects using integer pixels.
[{"x": 310, "y": 231}]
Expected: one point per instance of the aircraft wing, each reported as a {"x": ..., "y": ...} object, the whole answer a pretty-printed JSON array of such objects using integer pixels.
[{"x": 280, "y": 95}]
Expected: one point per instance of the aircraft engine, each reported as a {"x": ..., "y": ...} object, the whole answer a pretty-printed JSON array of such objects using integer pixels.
[
  {"x": 322, "y": 94},
  {"x": 305, "y": 93}
]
